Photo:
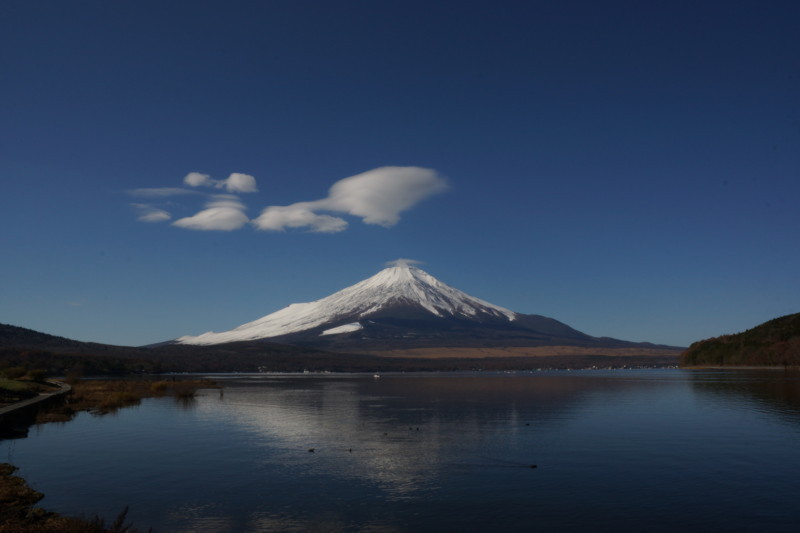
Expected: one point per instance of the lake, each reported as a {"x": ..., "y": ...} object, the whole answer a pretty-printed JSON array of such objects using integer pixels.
[{"x": 632, "y": 450}]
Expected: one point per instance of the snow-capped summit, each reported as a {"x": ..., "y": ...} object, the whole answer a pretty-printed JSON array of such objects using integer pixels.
[{"x": 400, "y": 292}]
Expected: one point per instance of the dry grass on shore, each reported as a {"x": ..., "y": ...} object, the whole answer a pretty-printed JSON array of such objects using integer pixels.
[
  {"x": 101, "y": 396},
  {"x": 19, "y": 514}
]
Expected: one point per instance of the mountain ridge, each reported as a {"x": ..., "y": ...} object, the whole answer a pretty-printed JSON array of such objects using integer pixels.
[
  {"x": 398, "y": 290},
  {"x": 403, "y": 307},
  {"x": 401, "y": 318},
  {"x": 59, "y": 356}
]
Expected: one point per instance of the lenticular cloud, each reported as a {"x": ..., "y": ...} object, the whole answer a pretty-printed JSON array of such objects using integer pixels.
[
  {"x": 148, "y": 213},
  {"x": 377, "y": 196},
  {"x": 225, "y": 213},
  {"x": 301, "y": 215},
  {"x": 235, "y": 183}
]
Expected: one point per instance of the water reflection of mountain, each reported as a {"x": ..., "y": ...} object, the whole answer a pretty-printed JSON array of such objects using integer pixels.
[
  {"x": 399, "y": 432},
  {"x": 776, "y": 392}
]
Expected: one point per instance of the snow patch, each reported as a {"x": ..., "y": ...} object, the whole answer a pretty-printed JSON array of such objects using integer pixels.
[{"x": 347, "y": 328}]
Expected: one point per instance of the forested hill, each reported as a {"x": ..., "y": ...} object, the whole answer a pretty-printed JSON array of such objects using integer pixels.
[
  {"x": 773, "y": 343},
  {"x": 22, "y": 337}
]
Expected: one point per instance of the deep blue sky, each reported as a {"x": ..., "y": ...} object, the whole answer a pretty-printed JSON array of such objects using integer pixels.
[{"x": 629, "y": 168}]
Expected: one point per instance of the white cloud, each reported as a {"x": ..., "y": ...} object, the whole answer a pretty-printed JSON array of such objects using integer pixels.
[
  {"x": 278, "y": 218},
  {"x": 236, "y": 182},
  {"x": 196, "y": 179},
  {"x": 402, "y": 262},
  {"x": 148, "y": 213},
  {"x": 223, "y": 213},
  {"x": 160, "y": 192},
  {"x": 378, "y": 196}
]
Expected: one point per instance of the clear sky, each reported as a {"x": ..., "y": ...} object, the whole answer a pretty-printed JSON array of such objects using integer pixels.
[{"x": 168, "y": 168}]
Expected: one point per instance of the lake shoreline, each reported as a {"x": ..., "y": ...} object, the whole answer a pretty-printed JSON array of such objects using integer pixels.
[
  {"x": 450, "y": 446},
  {"x": 19, "y": 513},
  {"x": 793, "y": 368},
  {"x": 18, "y": 510}
]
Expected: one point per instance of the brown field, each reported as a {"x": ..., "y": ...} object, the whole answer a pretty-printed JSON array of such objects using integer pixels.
[{"x": 534, "y": 351}]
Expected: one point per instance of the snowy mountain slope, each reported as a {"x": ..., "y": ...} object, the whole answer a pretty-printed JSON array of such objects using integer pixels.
[
  {"x": 402, "y": 291},
  {"x": 403, "y": 307}
]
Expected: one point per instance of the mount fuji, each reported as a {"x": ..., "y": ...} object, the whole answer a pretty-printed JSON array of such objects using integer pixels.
[{"x": 404, "y": 307}]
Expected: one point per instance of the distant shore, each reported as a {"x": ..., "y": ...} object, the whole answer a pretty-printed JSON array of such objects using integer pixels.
[
  {"x": 532, "y": 352},
  {"x": 794, "y": 368}
]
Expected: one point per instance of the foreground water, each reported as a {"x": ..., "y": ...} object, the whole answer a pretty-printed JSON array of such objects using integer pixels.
[{"x": 655, "y": 450}]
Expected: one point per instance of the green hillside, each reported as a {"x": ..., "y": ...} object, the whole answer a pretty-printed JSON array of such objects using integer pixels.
[{"x": 773, "y": 343}]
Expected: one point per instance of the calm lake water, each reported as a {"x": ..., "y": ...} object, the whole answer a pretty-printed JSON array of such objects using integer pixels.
[{"x": 637, "y": 450}]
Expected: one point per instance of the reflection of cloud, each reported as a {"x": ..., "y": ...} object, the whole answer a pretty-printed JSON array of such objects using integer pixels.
[{"x": 378, "y": 196}]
